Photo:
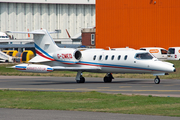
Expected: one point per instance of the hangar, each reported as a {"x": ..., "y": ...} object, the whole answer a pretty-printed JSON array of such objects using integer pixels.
[
  {"x": 24, "y": 15},
  {"x": 137, "y": 23}
]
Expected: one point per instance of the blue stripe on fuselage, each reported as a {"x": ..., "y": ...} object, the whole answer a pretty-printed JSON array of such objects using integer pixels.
[
  {"x": 36, "y": 46},
  {"x": 20, "y": 66}
]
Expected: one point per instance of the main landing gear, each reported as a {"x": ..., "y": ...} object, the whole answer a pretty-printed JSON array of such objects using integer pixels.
[
  {"x": 108, "y": 78},
  {"x": 80, "y": 78},
  {"x": 157, "y": 80}
]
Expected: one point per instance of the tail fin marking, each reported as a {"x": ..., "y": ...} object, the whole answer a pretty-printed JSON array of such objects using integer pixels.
[{"x": 42, "y": 53}]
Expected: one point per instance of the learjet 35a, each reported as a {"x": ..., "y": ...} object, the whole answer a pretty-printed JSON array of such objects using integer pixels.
[{"x": 50, "y": 58}]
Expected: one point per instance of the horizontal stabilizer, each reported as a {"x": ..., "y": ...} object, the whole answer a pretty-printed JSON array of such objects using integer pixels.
[
  {"x": 38, "y": 59},
  {"x": 33, "y": 32}
]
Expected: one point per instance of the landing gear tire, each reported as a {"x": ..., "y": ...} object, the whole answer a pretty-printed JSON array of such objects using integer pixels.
[
  {"x": 82, "y": 80},
  {"x": 107, "y": 79},
  {"x": 157, "y": 80}
]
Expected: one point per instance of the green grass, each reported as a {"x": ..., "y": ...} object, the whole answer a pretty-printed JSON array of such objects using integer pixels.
[
  {"x": 90, "y": 101},
  {"x": 7, "y": 71}
]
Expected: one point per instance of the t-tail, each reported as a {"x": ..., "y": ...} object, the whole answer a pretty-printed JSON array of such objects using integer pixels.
[{"x": 44, "y": 45}]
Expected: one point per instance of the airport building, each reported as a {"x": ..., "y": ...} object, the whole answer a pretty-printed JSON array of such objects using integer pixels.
[
  {"x": 29, "y": 15},
  {"x": 137, "y": 23}
]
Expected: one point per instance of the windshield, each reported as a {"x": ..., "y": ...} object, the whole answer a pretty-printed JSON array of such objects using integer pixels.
[
  {"x": 143, "y": 56},
  {"x": 171, "y": 51},
  {"x": 163, "y": 51}
]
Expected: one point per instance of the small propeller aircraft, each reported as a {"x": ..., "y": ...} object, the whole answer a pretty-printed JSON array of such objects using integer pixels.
[{"x": 50, "y": 58}]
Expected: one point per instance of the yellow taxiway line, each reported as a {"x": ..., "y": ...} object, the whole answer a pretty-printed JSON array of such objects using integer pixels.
[{"x": 86, "y": 89}]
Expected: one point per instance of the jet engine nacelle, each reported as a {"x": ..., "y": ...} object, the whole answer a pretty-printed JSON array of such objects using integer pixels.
[
  {"x": 68, "y": 56},
  {"x": 33, "y": 68}
]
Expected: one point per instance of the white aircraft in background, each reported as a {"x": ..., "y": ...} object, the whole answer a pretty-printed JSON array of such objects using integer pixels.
[
  {"x": 91, "y": 60},
  {"x": 3, "y": 36}
]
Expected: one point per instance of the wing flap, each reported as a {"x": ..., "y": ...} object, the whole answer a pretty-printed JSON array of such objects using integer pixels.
[{"x": 61, "y": 68}]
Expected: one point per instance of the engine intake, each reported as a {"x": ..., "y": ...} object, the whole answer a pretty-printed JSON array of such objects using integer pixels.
[{"x": 77, "y": 55}]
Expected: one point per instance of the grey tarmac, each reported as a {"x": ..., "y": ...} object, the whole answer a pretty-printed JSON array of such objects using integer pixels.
[
  {"x": 167, "y": 88},
  {"x": 21, "y": 114}
]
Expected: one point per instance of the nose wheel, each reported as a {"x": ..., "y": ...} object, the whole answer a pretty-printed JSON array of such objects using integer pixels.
[{"x": 157, "y": 80}]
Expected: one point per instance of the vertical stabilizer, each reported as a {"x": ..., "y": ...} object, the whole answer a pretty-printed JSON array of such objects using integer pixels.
[{"x": 44, "y": 42}]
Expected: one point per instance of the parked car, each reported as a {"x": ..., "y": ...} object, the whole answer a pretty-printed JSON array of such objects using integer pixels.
[
  {"x": 173, "y": 53},
  {"x": 158, "y": 52}
]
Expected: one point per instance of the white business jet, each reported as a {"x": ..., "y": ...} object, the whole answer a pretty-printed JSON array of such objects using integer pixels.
[{"x": 91, "y": 60}]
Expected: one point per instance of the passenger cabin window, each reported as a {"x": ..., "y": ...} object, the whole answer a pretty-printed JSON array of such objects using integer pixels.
[
  {"x": 119, "y": 57},
  {"x": 143, "y": 56},
  {"x": 125, "y": 57},
  {"x": 106, "y": 57},
  {"x": 163, "y": 51},
  {"x": 112, "y": 58},
  {"x": 94, "y": 57},
  {"x": 100, "y": 57}
]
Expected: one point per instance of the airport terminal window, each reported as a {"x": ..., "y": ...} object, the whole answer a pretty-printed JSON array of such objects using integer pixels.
[
  {"x": 125, "y": 57},
  {"x": 106, "y": 57},
  {"x": 119, "y": 57},
  {"x": 100, "y": 57},
  {"x": 112, "y": 58},
  {"x": 92, "y": 39},
  {"x": 94, "y": 57},
  {"x": 144, "y": 56},
  {"x": 163, "y": 51}
]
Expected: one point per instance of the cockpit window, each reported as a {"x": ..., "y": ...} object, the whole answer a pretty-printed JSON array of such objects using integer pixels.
[{"x": 143, "y": 56}]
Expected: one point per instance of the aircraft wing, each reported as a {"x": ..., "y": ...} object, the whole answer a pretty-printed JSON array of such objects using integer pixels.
[{"x": 59, "y": 68}]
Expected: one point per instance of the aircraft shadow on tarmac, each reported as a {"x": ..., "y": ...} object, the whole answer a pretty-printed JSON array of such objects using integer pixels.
[{"x": 52, "y": 82}]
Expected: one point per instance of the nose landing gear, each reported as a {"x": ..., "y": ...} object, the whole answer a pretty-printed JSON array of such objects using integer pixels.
[{"x": 157, "y": 80}]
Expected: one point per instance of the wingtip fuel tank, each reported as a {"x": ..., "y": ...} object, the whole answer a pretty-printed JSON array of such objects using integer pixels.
[{"x": 33, "y": 68}]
